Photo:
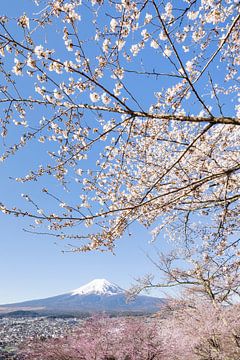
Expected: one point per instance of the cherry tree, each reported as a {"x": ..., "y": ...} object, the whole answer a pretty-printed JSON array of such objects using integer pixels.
[
  {"x": 199, "y": 270},
  {"x": 101, "y": 338},
  {"x": 135, "y": 105},
  {"x": 201, "y": 330},
  {"x": 188, "y": 331}
]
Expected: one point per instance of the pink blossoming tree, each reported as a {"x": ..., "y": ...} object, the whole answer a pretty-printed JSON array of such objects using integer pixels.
[
  {"x": 187, "y": 330},
  {"x": 102, "y": 338}
]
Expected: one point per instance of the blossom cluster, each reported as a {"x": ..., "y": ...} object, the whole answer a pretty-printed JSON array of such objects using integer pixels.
[{"x": 129, "y": 106}]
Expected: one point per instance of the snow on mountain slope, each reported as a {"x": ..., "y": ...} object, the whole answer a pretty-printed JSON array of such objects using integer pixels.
[{"x": 98, "y": 287}]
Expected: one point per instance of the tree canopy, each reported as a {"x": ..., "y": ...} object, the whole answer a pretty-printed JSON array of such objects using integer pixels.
[{"x": 135, "y": 105}]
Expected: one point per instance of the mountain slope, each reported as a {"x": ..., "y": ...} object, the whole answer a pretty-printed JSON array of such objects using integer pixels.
[{"x": 96, "y": 296}]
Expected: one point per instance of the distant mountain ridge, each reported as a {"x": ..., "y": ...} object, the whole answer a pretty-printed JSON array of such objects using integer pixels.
[{"x": 97, "y": 296}]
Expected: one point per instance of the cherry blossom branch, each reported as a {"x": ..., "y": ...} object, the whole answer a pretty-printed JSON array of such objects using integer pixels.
[{"x": 227, "y": 120}]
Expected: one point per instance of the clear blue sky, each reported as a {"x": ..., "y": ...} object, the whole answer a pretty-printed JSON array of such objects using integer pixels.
[{"x": 34, "y": 267}]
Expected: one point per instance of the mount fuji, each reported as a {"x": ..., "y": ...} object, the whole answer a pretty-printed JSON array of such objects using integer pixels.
[
  {"x": 99, "y": 287},
  {"x": 97, "y": 296}
]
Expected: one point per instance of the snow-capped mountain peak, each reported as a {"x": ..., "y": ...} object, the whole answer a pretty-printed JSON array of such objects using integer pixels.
[
  {"x": 97, "y": 296},
  {"x": 98, "y": 287}
]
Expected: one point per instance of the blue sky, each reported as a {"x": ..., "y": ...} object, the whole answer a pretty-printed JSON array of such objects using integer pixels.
[{"x": 34, "y": 267}]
